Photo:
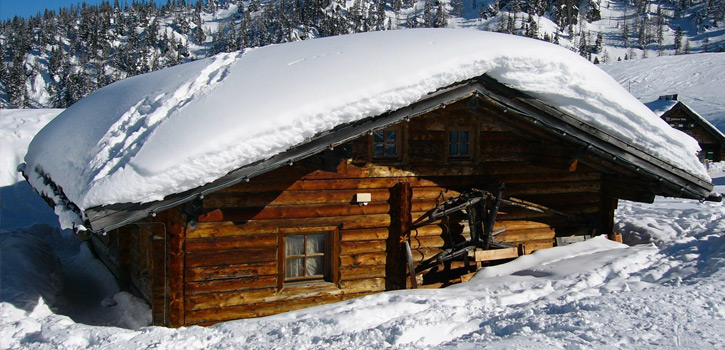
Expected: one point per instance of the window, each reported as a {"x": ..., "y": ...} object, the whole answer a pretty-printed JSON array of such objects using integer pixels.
[
  {"x": 306, "y": 255},
  {"x": 385, "y": 144},
  {"x": 459, "y": 145}
]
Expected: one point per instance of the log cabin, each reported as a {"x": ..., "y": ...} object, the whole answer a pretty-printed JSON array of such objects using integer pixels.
[
  {"x": 471, "y": 173},
  {"x": 681, "y": 117}
]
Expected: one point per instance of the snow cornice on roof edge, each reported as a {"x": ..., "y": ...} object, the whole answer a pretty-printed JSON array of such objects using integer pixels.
[{"x": 109, "y": 217}]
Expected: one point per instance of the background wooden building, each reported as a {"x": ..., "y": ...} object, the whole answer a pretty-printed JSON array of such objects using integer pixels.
[
  {"x": 329, "y": 220},
  {"x": 681, "y": 117}
]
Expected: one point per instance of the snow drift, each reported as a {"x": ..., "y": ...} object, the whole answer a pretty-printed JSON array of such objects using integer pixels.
[{"x": 165, "y": 132}]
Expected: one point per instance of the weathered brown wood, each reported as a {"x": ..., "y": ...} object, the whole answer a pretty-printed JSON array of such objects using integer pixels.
[
  {"x": 495, "y": 254},
  {"x": 358, "y": 247},
  {"x": 210, "y": 316},
  {"x": 400, "y": 221},
  {"x": 226, "y": 228},
  {"x": 288, "y": 197},
  {"x": 231, "y": 256},
  {"x": 204, "y": 273},
  {"x": 231, "y": 242},
  {"x": 176, "y": 251},
  {"x": 236, "y": 284},
  {"x": 293, "y": 212},
  {"x": 362, "y": 272},
  {"x": 526, "y": 235},
  {"x": 365, "y": 259},
  {"x": 370, "y": 234}
]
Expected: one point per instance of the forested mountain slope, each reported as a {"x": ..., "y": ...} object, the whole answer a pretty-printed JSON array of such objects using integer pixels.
[{"x": 55, "y": 58}]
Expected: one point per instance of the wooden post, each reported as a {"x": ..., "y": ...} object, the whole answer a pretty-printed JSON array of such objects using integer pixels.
[
  {"x": 175, "y": 268},
  {"x": 411, "y": 267},
  {"x": 400, "y": 221}
]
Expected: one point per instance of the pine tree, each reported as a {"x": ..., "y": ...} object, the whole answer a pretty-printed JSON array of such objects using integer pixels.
[
  {"x": 199, "y": 35},
  {"x": 428, "y": 15},
  {"x": 678, "y": 40},
  {"x": 441, "y": 18},
  {"x": 457, "y": 8}
]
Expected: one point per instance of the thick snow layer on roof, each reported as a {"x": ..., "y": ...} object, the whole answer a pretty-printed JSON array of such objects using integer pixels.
[{"x": 146, "y": 137}]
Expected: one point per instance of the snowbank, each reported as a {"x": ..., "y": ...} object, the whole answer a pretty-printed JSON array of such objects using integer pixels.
[
  {"x": 29, "y": 268},
  {"x": 146, "y": 137}
]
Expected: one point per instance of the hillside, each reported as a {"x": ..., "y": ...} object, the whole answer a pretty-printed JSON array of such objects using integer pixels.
[
  {"x": 697, "y": 79},
  {"x": 55, "y": 58}
]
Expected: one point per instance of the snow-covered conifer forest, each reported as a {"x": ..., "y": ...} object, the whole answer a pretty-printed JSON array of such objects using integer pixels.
[{"x": 56, "y": 57}]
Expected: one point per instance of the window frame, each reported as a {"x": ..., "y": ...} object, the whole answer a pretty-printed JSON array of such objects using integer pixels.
[
  {"x": 399, "y": 145},
  {"x": 330, "y": 254},
  {"x": 472, "y": 145}
]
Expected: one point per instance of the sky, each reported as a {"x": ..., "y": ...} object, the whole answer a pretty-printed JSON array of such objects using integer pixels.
[{"x": 27, "y": 8}]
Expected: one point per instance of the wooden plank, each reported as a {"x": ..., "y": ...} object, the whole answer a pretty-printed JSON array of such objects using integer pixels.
[
  {"x": 233, "y": 284},
  {"x": 293, "y": 212},
  {"x": 210, "y": 316},
  {"x": 226, "y": 228},
  {"x": 526, "y": 235},
  {"x": 362, "y": 272},
  {"x": 205, "y": 273},
  {"x": 365, "y": 259},
  {"x": 495, "y": 254},
  {"x": 290, "y": 197},
  {"x": 231, "y": 256},
  {"x": 227, "y": 299},
  {"x": 231, "y": 242},
  {"x": 177, "y": 257},
  {"x": 358, "y": 247},
  {"x": 400, "y": 222},
  {"x": 369, "y": 234}
]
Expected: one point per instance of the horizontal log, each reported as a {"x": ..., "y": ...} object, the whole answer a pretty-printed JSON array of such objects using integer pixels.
[
  {"x": 526, "y": 235},
  {"x": 495, "y": 254},
  {"x": 226, "y": 228},
  {"x": 234, "y": 284},
  {"x": 370, "y": 234},
  {"x": 363, "y": 285},
  {"x": 293, "y": 212},
  {"x": 231, "y": 242},
  {"x": 204, "y": 273},
  {"x": 227, "y": 299},
  {"x": 210, "y": 316},
  {"x": 362, "y": 272},
  {"x": 289, "y": 197},
  {"x": 364, "y": 259},
  {"x": 231, "y": 256},
  {"x": 357, "y": 247}
]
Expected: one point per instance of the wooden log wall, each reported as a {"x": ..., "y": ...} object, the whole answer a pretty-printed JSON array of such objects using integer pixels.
[{"x": 231, "y": 257}]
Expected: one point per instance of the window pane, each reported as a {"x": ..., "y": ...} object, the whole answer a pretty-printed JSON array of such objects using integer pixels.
[
  {"x": 453, "y": 136},
  {"x": 453, "y": 149},
  {"x": 464, "y": 136},
  {"x": 390, "y": 136},
  {"x": 378, "y": 136},
  {"x": 293, "y": 267},
  {"x": 294, "y": 245},
  {"x": 464, "y": 149},
  {"x": 390, "y": 149},
  {"x": 378, "y": 150},
  {"x": 315, "y": 266},
  {"x": 315, "y": 243}
]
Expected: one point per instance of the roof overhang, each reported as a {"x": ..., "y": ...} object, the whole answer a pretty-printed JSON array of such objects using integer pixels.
[{"x": 522, "y": 106}]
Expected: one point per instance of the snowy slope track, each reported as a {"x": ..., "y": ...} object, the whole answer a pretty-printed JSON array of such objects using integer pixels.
[{"x": 176, "y": 129}]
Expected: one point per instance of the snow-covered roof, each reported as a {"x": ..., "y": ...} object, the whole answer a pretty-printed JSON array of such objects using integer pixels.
[{"x": 141, "y": 139}]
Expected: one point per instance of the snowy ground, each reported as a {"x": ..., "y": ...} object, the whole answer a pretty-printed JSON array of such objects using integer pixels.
[{"x": 667, "y": 290}]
